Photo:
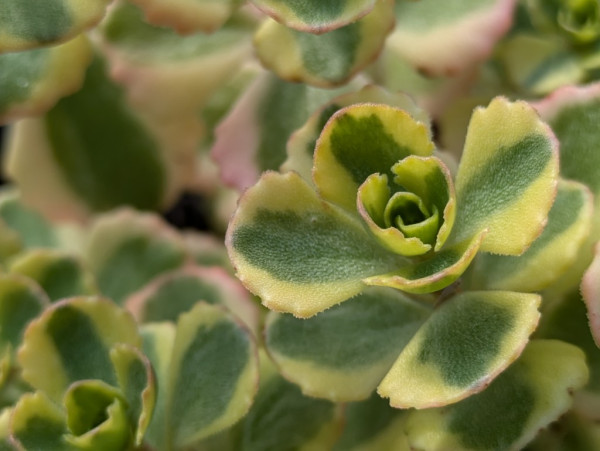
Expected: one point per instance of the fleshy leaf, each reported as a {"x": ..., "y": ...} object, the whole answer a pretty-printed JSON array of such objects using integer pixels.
[
  {"x": 361, "y": 140},
  {"x": 176, "y": 292},
  {"x": 252, "y": 137},
  {"x": 565, "y": 319},
  {"x": 572, "y": 112},
  {"x": 209, "y": 349},
  {"x": 464, "y": 345},
  {"x": 96, "y": 416},
  {"x": 507, "y": 177},
  {"x": 539, "y": 64},
  {"x": 60, "y": 274},
  {"x": 71, "y": 341},
  {"x": 324, "y": 356},
  {"x": 298, "y": 253},
  {"x": 126, "y": 250},
  {"x": 39, "y": 423},
  {"x": 5, "y": 444},
  {"x": 315, "y": 16},
  {"x": 32, "y": 228},
  {"x": 109, "y": 142},
  {"x": 138, "y": 386},
  {"x": 550, "y": 255},
  {"x": 528, "y": 396},
  {"x": 420, "y": 213},
  {"x": 26, "y": 24},
  {"x": 434, "y": 272},
  {"x": 280, "y": 408},
  {"x": 590, "y": 290},
  {"x": 446, "y": 41},
  {"x": 572, "y": 432},
  {"x": 158, "y": 339},
  {"x": 372, "y": 425},
  {"x": 187, "y": 16},
  {"x": 33, "y": 81},
  {"x": 329, "y": 59},
  {"x": 301, "y": 145},
  {"x": 21, "y": 301}
]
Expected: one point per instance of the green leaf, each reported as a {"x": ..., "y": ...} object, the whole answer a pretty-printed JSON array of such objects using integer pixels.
[
  {"x": 565, "y": 319},
  {"x": 283, "y": 418},
  {"x": 326, "y": 357},
  {"x": 21, "y": 301},
  {"x": 76, "y": 153},
  {"x": 298, "y": 253},
  {"x": 60, "y": 274},
  {"x": 30, "y": 23},
  {"x": 590, "y": 291},
  {"x": 137, "y": 385},
  {"x": 252, "y": 137},
  {"x": 464, "y": 345},
  {"x": 96, "y": 416},
  {"x": 326, "y": 60},
  {"x": 539, "y": 64},
  {"x": 126, "y": 250},
  {"x": 527, "y": 397},
  {"x": 372, "y": 425},
  {"x": 71, "y": 341},
  {"x": 434, "y": 272},
  {"x": 445, "y": 41},
  {"x": 187, "y": 16},
  {"x": 507, "y": 177},
  {"x": 361, "y": 140},
  {"x": 212, "y": 357},
  {"x": 39, "y": 423},
  {"x": 550, "y": 255},
  {"x": 315, "y": 16},
  {"x": 177, "y": 292},
  {"x": 301, "y": 145},
  {"x": 32, "y": 228},
  {"x": 33, "y": 81}
]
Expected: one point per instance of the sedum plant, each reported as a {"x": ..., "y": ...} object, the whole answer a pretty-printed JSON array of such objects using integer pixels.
[{"x": 281, "y": 224}]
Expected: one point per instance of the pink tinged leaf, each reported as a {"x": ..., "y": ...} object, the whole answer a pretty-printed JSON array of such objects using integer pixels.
[{"x": 590, "y": 290}]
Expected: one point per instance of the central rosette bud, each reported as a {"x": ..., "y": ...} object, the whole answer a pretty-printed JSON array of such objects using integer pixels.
[
  {"x": 580, "y": 19},
  {"x": 414, "y": 211}
]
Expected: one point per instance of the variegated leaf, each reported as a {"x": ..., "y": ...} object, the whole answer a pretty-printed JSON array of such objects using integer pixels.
[
  {"x": 21, "y": 300},
  {"x": 528, "y": 396},
  {"x": 71, "y": 341},
  {"x": 188, "y": 16},
  {"x": 507, "y": 177},
  {"x": 137, "y": 384},
  {"x": 572, "y": 112},
  {"x": 298, "y": 253},
  {"x": 565, "y": 319},
  {"x": 361, "y": 140},
  {"x": 26, "y": 24},
  {"x": 329, "y": 59},
  {"x": 282, "y": 417},
  {"x": 462, "y": 347},
  {"x": 537, "y": 65},
  {"x": 301, "y": 145},
  {"x": 590, "y": 290},
  {"x": 446, "y": 41},
  {"x": 315, "y": 16},
  {"x": 174, "y": 293},
  {"x": 60, "y": 274},
  {"x": 326, "y": 357},
  {"x": 126, "y": 250},
  {"x": 38, "y": 423},
  {"x": 550, "y": 255},
  {"x": 372, "y": 425},
  {"x": 252, "y": 137},
  {"x": 209, "y": 349},
  {"x": 572, "y": 432},
  {"x": 109, "y": 142},
  {"x": 33, "y": 81}
]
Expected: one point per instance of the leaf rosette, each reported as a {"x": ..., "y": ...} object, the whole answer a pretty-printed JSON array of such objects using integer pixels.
[{"x": 386, "y": 211}]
